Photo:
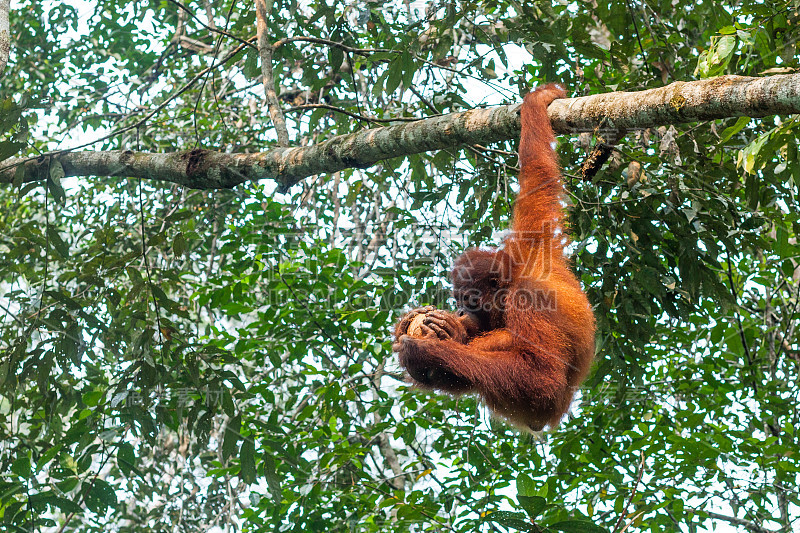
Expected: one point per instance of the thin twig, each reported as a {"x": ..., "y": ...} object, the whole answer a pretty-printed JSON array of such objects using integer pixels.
[
  {"x": 212, "y": 27},
  {"x": 740, "y": 327},
  {"x": 141, "y": 121},
  {"x": 335, "y": 44},
  {"x": 747, "y": 524},
  {"x": 633, "y": 493},
  {"x": 350, "y": 114}
]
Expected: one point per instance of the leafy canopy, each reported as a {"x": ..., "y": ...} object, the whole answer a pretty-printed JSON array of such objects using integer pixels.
[{"x": 181, "y": 359}]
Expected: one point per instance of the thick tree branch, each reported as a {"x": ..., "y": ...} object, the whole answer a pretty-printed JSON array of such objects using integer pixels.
[
  {"x": 5, "y": 35},
  {"x": 265, "y": 50},
  {"x": 679, "y": 102},
  {"x": 727, "y": 96}
]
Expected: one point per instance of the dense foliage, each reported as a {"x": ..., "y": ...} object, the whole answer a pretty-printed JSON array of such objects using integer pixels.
[{"x": 178, "y": 359}]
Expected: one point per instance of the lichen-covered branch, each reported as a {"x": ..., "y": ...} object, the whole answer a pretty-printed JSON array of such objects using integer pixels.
[
  {"x": 5, "y": 35},
  {"x": 679, "y": 102},
  {"x": 265, "y": 52},
  {"x": 726, "y": 96}
]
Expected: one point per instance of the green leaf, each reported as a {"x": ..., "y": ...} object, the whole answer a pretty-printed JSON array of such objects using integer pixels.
[
  {"x": 782, "y": 247},
  {"x": 92, "y": 398},
  {"x": 68, "y": 484},
  {"x": 57, "y": 242},
  {"x": 9, "y": 148},
  {"x": 729, "y": 132},
  {"x": 22, "y": 467},
  {"x": 10, "y": 114},
  {"x": 409, "y": 69},
  {"x": 725, "y": 48},
  {"x": 577, "y": 526},
  {"x": 525, "y": 485},
  {"x": 248, "y": 461},
  {"x": 179, "y": 215},
  {"x": 48, "y": 456},
  {"x": 509, "y": 519},
  {"x": 395, "y": 76},
  {"x": 335, "y": 57},
  {"x": 126, "y": 458},
  {"x": 714, "y": 61},
  {"x": 179, "y": 244},
  {"x": 164, "y": 300},
  {"x": 533, "y": 505},
  {"x": 54, "y": 182},
  {"x": 251, "y": 68},
  {"x": 49, "y": 498},
  {"x": 747, "y": 158},
  {"x": 273, "y": 480},
  {"x": 100, "y": 496},
  {"x": 231, "y": 437}
]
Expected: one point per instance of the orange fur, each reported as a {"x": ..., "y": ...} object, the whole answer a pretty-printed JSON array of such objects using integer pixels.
[{"x": 527, "y": 325}]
